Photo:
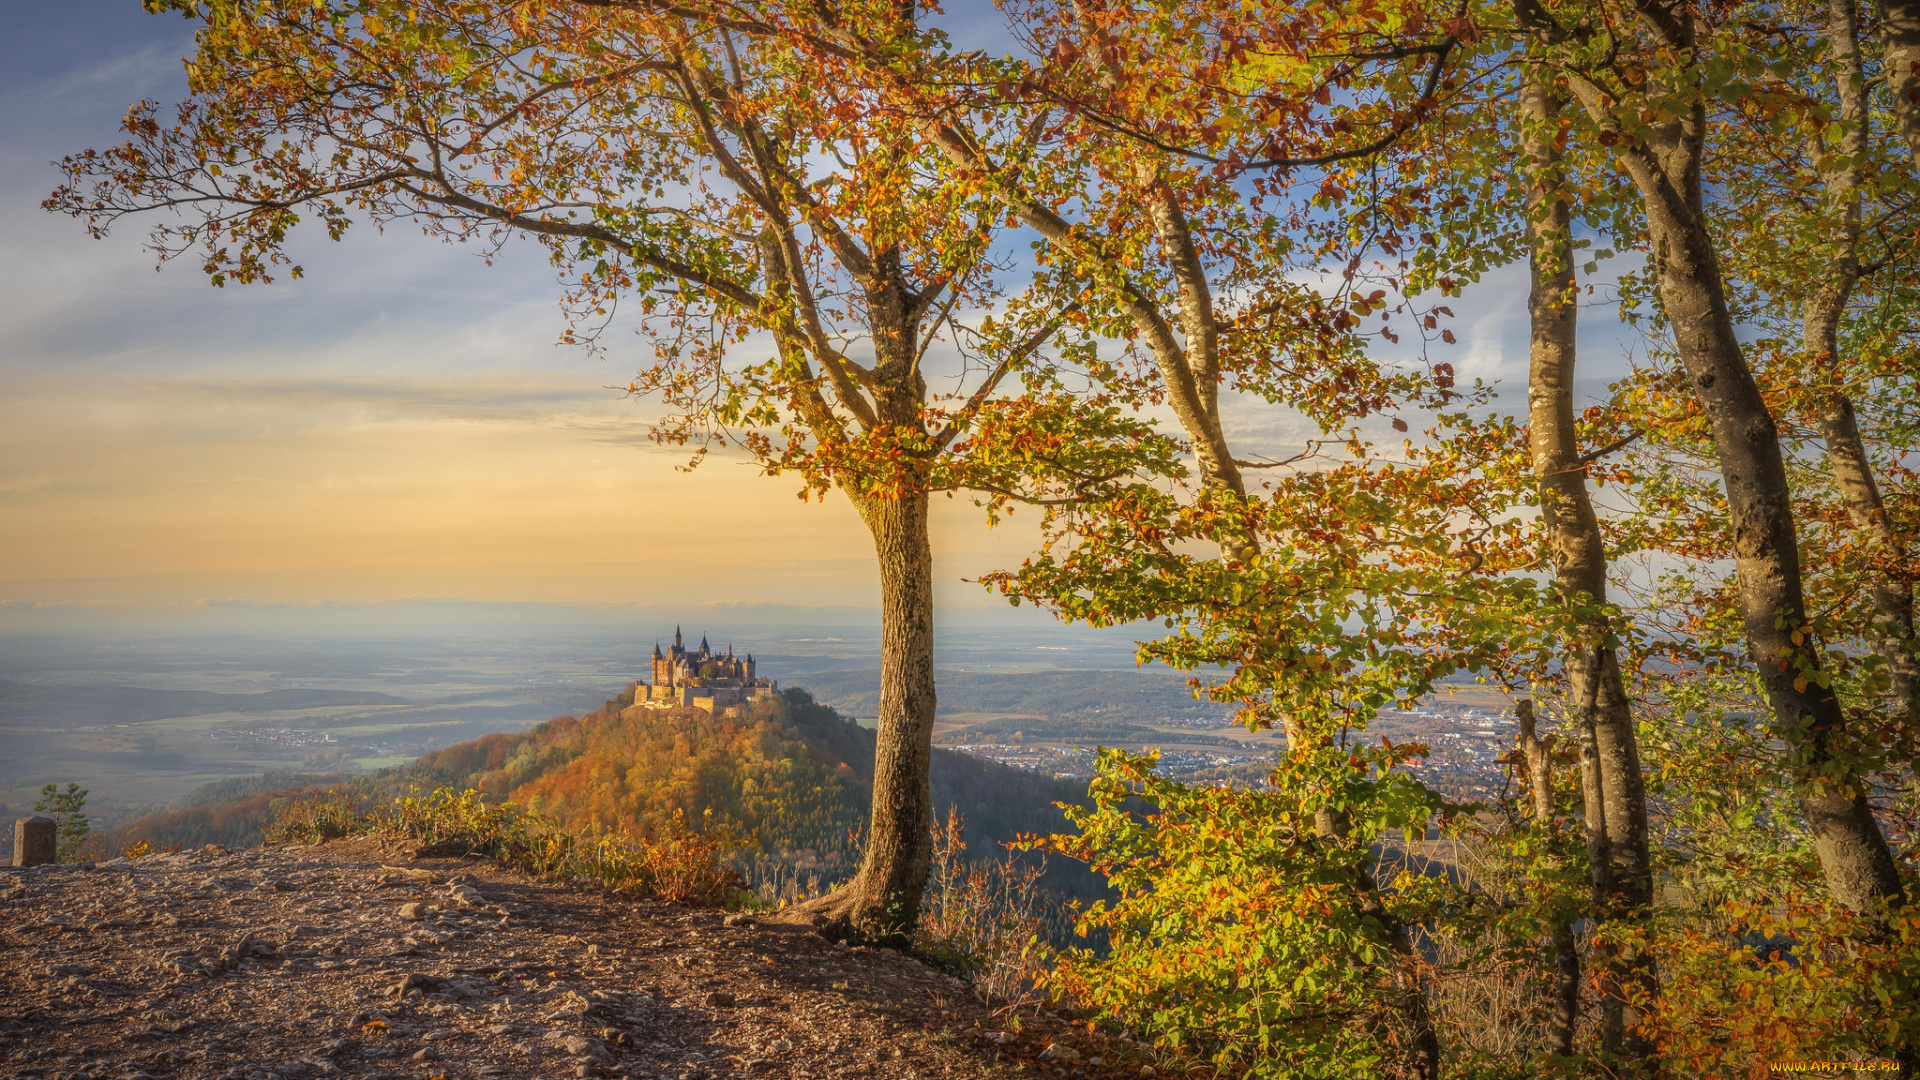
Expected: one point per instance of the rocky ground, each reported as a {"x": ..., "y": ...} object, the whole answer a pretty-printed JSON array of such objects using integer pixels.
[{"x": 354, "y": 960}]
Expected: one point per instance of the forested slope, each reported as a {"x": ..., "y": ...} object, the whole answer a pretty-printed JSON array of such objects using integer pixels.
[{"x": 792, "y": 774}]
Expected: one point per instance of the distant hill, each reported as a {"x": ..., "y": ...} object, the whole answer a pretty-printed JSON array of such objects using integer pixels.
[
  {"x": 230, "y": 812},
  {"x": 792, "y": 772},
  {"x": 1140, "y": 696},
  {"x": 235, "y": 822},
  {"x": 29, "y": 703},
  {"x": 239, "y": 787}
]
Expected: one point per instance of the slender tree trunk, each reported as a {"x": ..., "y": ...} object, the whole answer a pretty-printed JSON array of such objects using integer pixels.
[
  {"x": 1893, "y": 629},
  {"x": 1900, "y": 40},
  {"x": 1893, "y": 637},
  {"x": 1409, "y": 990},
  {"x": 1537, "y": 753},
  {"x": 1616, "y": 800},
  {"x": 1422, "y": 1055},
  {"x": 1857, "y": 863}
]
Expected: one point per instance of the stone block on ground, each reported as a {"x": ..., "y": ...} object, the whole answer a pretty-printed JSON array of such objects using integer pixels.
[{"x": 35, "y": 842}]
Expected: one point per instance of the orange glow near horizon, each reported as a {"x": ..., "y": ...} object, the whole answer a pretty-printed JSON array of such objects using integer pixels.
[{"x": 374, "y": 491}]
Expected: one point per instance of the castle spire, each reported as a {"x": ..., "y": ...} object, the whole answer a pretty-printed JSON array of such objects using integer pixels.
[
  {"x": 656, "y": 651},
  {"x": 676, "y": 638}
]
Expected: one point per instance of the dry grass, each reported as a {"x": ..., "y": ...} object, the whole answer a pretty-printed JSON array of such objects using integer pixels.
[
  {"x": 985, "y": 918},
  {"x": 682, "y": 865}
]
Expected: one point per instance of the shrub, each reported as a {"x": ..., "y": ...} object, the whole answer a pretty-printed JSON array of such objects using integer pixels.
[
  {"x": 678, "y": 864},
  {"x": 1239, "y": 934},
  {"x": 985, "y": 919},
  {"x": 314, "y": 816}
]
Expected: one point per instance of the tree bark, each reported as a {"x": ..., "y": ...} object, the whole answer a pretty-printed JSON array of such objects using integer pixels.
[
  {"x": 1900, "y": 42},
  {"x": 1537, "y": 754},
  {"x": 1892, "y": 637},
  {"x": 1854, "y": 856},
  {"x": 882, "y": 903},
  {"x": 1615, "y": 794}
]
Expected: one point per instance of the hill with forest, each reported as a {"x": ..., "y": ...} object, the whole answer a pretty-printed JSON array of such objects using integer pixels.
[{"x": 791, "y": 774}]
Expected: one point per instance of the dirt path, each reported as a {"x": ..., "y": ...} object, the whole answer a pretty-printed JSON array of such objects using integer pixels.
[{"x": 350, "y": 960}]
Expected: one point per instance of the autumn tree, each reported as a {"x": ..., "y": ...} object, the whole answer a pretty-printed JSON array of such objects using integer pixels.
[
  {"x": 1646, "y": 91},
  {"x": 1612, "y": 785},
  {"x": 796, "y": 255},
  {"x": 1154, "y": 227}
]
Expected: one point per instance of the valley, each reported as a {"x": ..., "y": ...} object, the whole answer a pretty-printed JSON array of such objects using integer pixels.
[{"x": 147, "y": 724}]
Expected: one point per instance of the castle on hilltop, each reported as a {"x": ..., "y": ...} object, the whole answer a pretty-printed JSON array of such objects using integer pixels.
[{"x": 720, "y": 683}]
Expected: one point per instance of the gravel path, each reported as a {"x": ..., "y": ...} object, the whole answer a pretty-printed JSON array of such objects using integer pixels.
[{"x": 353, "y": 960}]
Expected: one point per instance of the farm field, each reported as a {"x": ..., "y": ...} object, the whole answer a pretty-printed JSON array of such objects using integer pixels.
[{"x": 142, "y": 722}]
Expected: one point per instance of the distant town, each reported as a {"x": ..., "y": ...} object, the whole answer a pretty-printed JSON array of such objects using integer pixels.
[{"x": 1465, "y": 742}]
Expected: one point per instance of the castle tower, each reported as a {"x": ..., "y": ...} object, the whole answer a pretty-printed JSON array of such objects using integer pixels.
[{"x": 679, "y": 671}]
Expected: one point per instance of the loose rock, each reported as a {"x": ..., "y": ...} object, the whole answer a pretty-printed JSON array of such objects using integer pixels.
[
  {"x": 1059, "y": 1052},
  {"x": 426, "y": 984}
]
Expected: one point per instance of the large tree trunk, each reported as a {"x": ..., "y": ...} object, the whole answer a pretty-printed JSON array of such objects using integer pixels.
[
  {"x": 882, "y": 903},
  {"x": 1615, "y": 796},
  {"x": 1900, "y": 40},
  {"x": 1893, "y": 631},
  {"x": 1854, "y": 856}
]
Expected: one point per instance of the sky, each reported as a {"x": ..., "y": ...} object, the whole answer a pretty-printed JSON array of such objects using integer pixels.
[{"x": 399, "y": 426}]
